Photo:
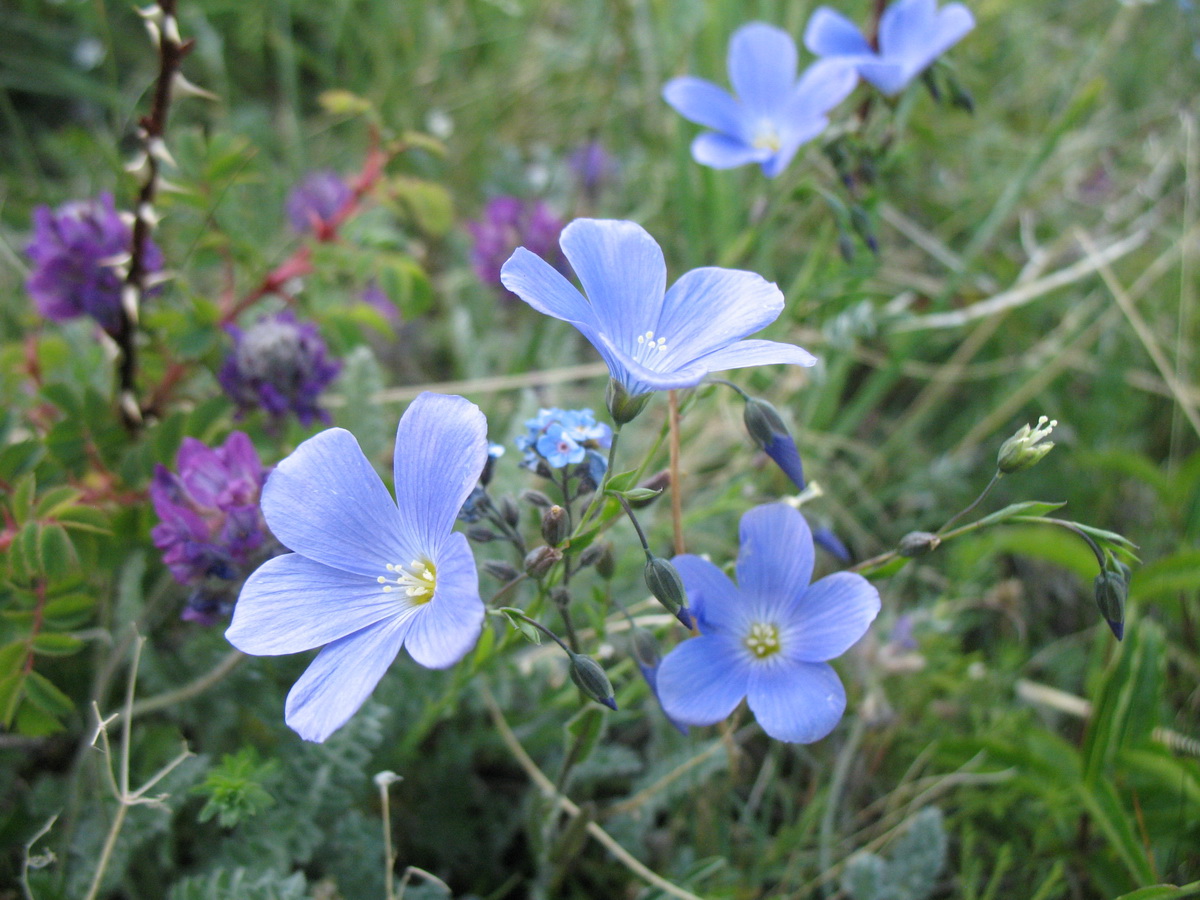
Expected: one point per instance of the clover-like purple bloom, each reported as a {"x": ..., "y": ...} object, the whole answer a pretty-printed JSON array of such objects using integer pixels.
[
  {"x": 508, "y": 223},
  {"x": 317, "y": 200},
  {"x": 772, "y": 114},
  {"x": 281, "y": 365},
  {"x": 210, "y": 525},
  {"x": 912, "y": 34},
  {"x": 368, "y": 575},
  {"x": 652, "y": 339},
  {"x": 78, "y": 251},
  {"x": 769, "y": 638}
]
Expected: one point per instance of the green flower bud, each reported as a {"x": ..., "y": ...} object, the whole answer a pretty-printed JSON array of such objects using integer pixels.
[
  {"x": 763, "y": 422},
  {"x": 541, "y": 560},
  {"x": 481, "y": 534},
  {"x": 555, "y": 526},
  {"x": 621, "y": 406},
  {"x": 917, "y": 543},
  {"x": 667, "y": 587},
  {"x": 499, "y": 570},
  {"x": 589, "y": 677},
  {"x": 537, "y": 498},
  {"x": 1112, "y": 590},
  {"x": 1022, "y": 450}
]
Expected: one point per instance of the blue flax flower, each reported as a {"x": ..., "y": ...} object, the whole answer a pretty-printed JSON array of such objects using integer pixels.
[
  {"x": 912, "y": 34},
  {"x": 652, "y": 339},
  {"x": 772, "y": 114},
  {"x": 368, "y": 575},
  {"x": 768, "y": 638}
]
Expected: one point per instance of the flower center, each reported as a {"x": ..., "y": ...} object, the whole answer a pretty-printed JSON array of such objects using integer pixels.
[
  {"x": 417, "y": 580},
  {"x": 762, "y": 639},
  {"x": 767, "y": 138},
  {"x": 649, "y": 347}
]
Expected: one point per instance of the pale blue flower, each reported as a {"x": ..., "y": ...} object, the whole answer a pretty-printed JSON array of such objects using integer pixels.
[
  {"x": 772, "y": 114},
  {"x": 652, "y": 339},
  {"x": 769, "y": 638},
  {"x": 558, "y": 449},
  {"x": 912, "y": 34},
  {"x": 369, "y": 575}
]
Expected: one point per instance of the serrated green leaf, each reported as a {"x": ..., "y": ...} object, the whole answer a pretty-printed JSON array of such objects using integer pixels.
[
  {"x": 56, "y": 552},
  {"x": 23, "y": 555},
  {"x": 44, "y": 694},
  {"x": 50, "y": 643}
]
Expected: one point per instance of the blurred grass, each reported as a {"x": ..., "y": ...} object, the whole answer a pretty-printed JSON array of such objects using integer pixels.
[{"x": 1085, "y": 125}]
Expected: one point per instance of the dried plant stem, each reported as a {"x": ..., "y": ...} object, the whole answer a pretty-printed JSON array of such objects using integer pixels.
[{"x": 546, "y": 786}]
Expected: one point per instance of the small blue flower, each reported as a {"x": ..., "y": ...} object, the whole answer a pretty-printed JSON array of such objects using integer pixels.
[
  {"x": 912, "y": 34},
  {"x": 369, "y": 575},
  {"x": 768, "y": 638},
  {"x": 558, "y": 448},
  {"x": 652, "y": 339},
  {"x": 772, "y": 115}
]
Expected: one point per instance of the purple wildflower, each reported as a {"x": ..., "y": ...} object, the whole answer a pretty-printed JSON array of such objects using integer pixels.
[
  {"x": 508, "y": 223},
  {"x": 279, "y": 364},
  {"x": 79, "y": 251},
  {"x": 593, "y": 167},
  {"x": 210, "y": 525},
  {"x": 315, "y": 202}
]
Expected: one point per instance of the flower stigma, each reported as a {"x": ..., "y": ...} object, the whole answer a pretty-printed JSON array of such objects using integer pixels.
[
  {"x": 418, "y": 581},
  {"x": 762, "y": 640}
]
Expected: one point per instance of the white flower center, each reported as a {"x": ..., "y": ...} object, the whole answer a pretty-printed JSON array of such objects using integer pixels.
[
  {"x": 417, "y": 580},
  {"x": 767, "y": 138},
  {"x": 762, "y": 639},
  {"x": 649, "y": 347}
]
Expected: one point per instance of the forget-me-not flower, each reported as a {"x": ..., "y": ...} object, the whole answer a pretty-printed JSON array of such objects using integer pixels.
[
  {"x": 769, "y": 638},
  {"x": 652, "y": 339},
  {"x": 912, "y": 34},
  {"x": 368, "y": 575},
  {"x": 772, "y": 114}
]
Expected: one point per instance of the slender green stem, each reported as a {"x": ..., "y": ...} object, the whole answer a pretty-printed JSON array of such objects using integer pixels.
[
  {"x": 540, "y": 627},
  {"x": 987, "y": 490},
  {"x": 676, "y": 481},
  {"x": 598, "y": 498},
  {"x": 636, "y": 525}
]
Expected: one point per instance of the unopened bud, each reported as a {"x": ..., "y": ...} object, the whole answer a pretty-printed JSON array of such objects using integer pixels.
[
  {"x": 621, "y": 405},
  {"x": 509, "y": 511},
  {"x": 667, "y": 587},
  {"x": 917, "y": 543},
  {"x": 1112, "y": 589},
  {"x": 555, "y": 526},
  {"x": 1022, "y": 450},
  {"x": 589, "y": 677},
  {"x": 536, "y": 498},
  {"x": 499, "y": 570},
  {"x": 541, "y": 560},
  {"x": 767, "y": 429},
  {"x": 600, "y": 555},
  {"x": 481, "y": 534},
  {"x": 645, "y": 648},
  {"x": 561, "y": 596},
  {"x": 651, "y": 489}
]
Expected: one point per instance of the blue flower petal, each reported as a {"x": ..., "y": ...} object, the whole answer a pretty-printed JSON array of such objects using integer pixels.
[
  {"x": 710, "y": 307},
  {"x": 705, "y": 103},
  {"x": 829, "y": 33},
  {"x": 741, "y": 354},
  {"x": 292, "y": 603},
  {"x": 824, "y": 85},
  {"x": 703, "y": 679},
  {"x": 889, "y": 77},
  {"x": 640, "y": 379},
  {"x": 775, "y": 561},
  {"x": 449, "y": 625},
  {"x": 623, "y": 273},
  {"x": 441, "y": 446},
  {"x": 831, "y": 617},
  {"x": 326, "y": 502},
  {"x": 719, "y": 151},
  {"x": 799, "y": 703},
  {"x": 712, "y": 597},
  {"x": 342, "y": 677},
  {"x": 762, "y": 68},
  {"x": 782, "y": 449},
  {"x": 545, "y": 289},
  {"x": 914, "y": 33}
]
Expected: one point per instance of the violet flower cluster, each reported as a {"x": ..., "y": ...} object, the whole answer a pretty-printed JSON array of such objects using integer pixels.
[
  {"x": 508, "y": 223},
  {"x": 80, "y": 252},
  {"x": 210, "y": 526},
  {"x": 280, "y": 365},
  {"x": 314, "y": 204}
]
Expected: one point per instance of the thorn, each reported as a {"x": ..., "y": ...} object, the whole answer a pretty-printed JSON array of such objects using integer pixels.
[
  {"x": 129, "y": 302},
  {"x": 171, "y": 187},
  {"x": 129, "y": 406},
  {"x": 158, "y": 149},
  {"x": 139, "y": 163},
  {"x": 155, "y": 34},
  {"x": 171, "y": 30},
  {"x": 185, "y": 88},
  {"x": 149, "y": 215}
]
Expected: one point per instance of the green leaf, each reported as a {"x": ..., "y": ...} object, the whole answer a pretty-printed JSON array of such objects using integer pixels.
[
  {"x": 50, "y": 643},
  {"x": 1026, "y": 508},
  {"x": 621, "y": 482},
  {"x": 33, "y": 721},
  {"x": 530, "y": 632},
  {"x": 69, "y": 611},
  {"x": 56, "y": 499},
  {"x": 428, "y": 203},
  {"x": 20, "y": 502},
  {"x": 638, "y": 494},
  {"x": 19, "y": 458},
  {"x": 10, "y": 696},
  {"x": 84, "y": 518},
  {"x": 1163, "y": 892},
  {"x": 56, "y": 552},
  {"x": 46, "y": 696},
  {"x": 1115, "y": 822}
]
